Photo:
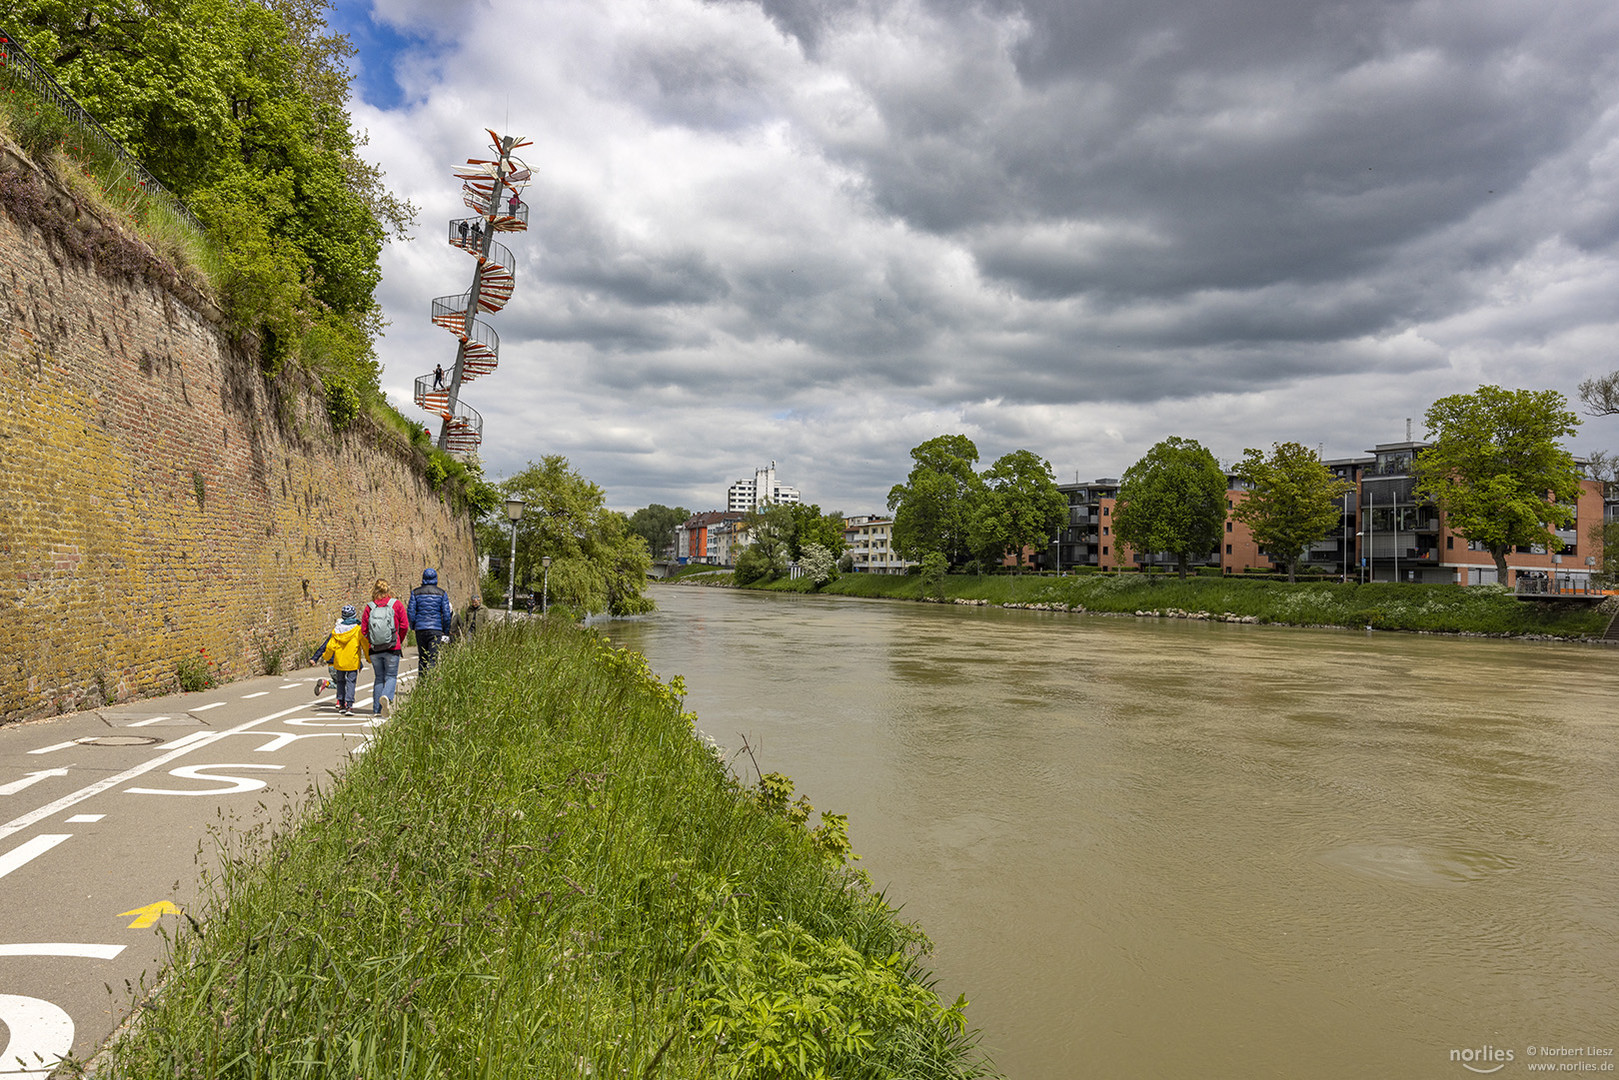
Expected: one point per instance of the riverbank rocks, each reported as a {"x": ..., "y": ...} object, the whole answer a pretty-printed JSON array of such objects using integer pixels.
[
  {"x": 1067, "y": 608},
  {"x": 1203, "y": 616},
  {"x": 971, "y": 603}
]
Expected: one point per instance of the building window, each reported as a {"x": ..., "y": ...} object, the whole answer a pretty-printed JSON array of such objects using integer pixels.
[
  {"x": 1104, "y": 549},
  {"x": 1228, "y": 526},
  {"x": 1228, "y": 549},
  {"x": 1104, "y": 530},
  {"x": 1105, "y": 510}
]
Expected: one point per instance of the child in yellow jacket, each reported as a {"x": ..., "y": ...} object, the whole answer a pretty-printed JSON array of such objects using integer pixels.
[{"x": 346, "y": 651}]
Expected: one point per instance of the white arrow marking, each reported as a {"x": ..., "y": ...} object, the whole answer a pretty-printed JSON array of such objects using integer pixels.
[
  {"x": 205, "y": 708},
  {"x": 27, "y": 852},
  {"x": 41, "y": 1034},
  {"x": 61, "y": 948},
  {"x": 29, "y": 780},
  {"x": 149, "y": 720}
]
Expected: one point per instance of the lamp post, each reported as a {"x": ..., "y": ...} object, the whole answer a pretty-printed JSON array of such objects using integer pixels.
[
  {"x": 514, "y": 510},
  {"x": 545, "y": 585}
]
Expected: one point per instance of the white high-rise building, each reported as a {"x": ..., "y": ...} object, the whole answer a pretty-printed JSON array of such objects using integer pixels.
[{"x": 762, "y": 490}]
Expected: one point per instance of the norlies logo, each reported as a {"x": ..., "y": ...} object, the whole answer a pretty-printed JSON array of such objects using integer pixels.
[{"x": 1483, "y": 1059}]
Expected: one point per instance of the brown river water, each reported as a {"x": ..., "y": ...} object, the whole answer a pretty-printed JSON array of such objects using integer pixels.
[{"x": 1151, "y": 848}]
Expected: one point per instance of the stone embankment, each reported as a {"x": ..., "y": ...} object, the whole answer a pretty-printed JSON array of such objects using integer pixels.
[{"x": 165, "y": 501}]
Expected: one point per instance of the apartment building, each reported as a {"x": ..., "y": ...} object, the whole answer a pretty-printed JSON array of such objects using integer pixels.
[
  {"x": 762, "y": 490},
  {"x": 1383, "y": 533},
  {"x": 1087, "y": 539},
  {"x": 1402, "y": 539},
  {"x": 698, "y": 538},
  {"x": 868, "y": 540}
]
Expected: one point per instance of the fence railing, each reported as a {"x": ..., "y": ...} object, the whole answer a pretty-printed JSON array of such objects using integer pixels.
[{"x": 17, "y": 68}]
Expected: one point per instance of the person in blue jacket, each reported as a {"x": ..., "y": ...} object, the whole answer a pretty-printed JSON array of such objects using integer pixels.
[{"x": 429, "y": 613}]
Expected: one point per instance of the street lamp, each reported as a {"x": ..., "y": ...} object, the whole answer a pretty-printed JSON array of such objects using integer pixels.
[
  {"x": 545, "y": 584},
  {"x": 514, "y": 510}
]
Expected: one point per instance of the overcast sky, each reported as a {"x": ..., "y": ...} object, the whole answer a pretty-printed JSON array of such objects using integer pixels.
[{"x": 820, "y": 233}]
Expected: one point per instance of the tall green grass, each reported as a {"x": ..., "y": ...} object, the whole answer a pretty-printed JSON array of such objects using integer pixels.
[
  {"x": 538, "y": 869},
  {"x": 1474, "y": 609}
]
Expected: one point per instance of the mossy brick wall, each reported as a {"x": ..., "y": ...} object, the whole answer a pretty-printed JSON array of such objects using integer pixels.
[{"x": 161, "y": 498}]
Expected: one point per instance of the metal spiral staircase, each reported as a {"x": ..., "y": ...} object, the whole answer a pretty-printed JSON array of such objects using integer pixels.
[{"x": 491, "y": 189}]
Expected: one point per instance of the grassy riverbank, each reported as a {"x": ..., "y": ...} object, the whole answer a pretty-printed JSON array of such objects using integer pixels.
[
  {"x": 1434, "y": 608},
  {"x": 539, "y": 869}
]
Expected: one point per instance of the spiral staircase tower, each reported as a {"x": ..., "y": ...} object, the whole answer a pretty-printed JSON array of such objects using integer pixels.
[{"x": 491, "y": 189}]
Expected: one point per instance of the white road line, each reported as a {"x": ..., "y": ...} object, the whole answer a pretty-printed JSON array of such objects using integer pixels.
[
  {"x": 151, "y": 720},
  {"x": 53, "y": 749},
  {"x": 84, "y": 819},
  {"x": 192, "y": 742},
  {"x": 30, "y": 780},
  {"x": 205, "y": 708},
  {"x": 250, "y": 697},
  {"x": 291, "y": 686},
  {"x": 29, "y": 850},
  {"x": 62, "y": 948}
]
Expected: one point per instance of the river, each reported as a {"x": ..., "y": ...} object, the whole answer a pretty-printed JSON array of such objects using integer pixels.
[{"x": 1162, "y": 848}]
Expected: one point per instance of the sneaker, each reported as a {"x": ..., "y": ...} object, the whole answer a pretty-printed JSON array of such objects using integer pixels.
[
  {"x": 321, "y": 685},
  {"x": 344, "y": 710},
  {"x": 386, "y": 706}
]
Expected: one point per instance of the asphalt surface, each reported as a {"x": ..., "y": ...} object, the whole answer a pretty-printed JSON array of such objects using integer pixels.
[{"x": 110, "y": 818}]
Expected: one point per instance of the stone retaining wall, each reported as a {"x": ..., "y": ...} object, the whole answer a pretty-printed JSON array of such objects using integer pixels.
[{"x": 161, "y": 500}]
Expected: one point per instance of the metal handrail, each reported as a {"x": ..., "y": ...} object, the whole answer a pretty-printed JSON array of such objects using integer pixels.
[
  {"x": 18, "y": 67},
  {"x": 450, "y": 312}
]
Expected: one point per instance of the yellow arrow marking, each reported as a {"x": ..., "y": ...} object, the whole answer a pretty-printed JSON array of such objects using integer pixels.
[{"x": 146, "y": 916}]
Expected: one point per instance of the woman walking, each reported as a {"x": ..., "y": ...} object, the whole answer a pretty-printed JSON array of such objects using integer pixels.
[{"x": 385, "y": 630}]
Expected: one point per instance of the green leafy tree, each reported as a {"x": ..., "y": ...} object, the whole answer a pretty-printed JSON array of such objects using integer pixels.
[
  {"x": 1020, "y": 507},
  {"x": 1291, "y": 500},
  {"x": 240, "y": 107},
  {"x": 1172, "y": 500},
  {"x": 810, "y": 526},
  {"x": 1497, "y": 470},
  {"x": 597, "y": 563},
  {"x": 656, "y": 525},
  {"x": 933, "y": 510}
]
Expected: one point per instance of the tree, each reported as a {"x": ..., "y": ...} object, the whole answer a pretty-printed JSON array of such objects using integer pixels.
[
  {"x": 818, "y": 564},
  {"x": 1497, "y": 470},
  {"x": 1291, "y": 500},
  {"x": 1601, "y": 395},
  {"x": 1021, "y": 506},
  {"x": 933, "y": 509},
  {"x": 1172, "y": 500},
  {"x": 597, "y": 563},
  {"x": 240, "y": 107},
  {"x": 656, "y": 525}
]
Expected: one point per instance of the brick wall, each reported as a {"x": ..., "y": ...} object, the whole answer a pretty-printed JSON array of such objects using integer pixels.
[{"x": 159, "y": 497}]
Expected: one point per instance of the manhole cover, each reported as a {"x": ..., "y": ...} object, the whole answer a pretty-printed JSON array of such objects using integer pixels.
[{"x": 119, "y": 740}]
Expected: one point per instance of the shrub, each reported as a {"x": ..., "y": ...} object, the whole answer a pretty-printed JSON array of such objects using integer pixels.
[{"x": 195, "y": 672}]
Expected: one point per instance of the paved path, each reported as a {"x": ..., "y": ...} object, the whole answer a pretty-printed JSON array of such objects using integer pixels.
[{"x": 108, "y": 818}]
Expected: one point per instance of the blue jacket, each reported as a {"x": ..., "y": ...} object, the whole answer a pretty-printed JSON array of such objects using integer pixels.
[{"x": 429, "y": 607}]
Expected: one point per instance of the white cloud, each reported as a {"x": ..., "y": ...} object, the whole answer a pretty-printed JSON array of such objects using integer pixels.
[{"x": 823, "y": 232}]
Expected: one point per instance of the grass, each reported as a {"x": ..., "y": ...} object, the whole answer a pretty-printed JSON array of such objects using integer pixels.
[
  {"x": 539, "y": 869},
  {"x": 1475, "y": 609}
]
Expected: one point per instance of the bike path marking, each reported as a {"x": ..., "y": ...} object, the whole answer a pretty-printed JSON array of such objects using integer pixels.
[
  {"x": 40, "y": 1032},
  {"x": 62, "y": 948},
  {"x": 29, "y": 780},
  {"x": 176, "y": 749},
  {"x": 27, "y": 852}
]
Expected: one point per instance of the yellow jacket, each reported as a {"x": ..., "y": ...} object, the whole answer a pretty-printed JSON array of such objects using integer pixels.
[{"x": 347, "y": 648}]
